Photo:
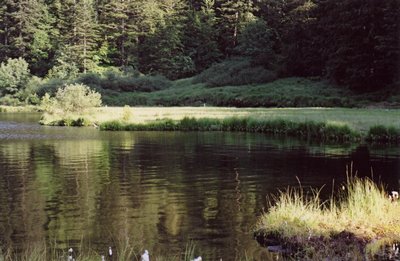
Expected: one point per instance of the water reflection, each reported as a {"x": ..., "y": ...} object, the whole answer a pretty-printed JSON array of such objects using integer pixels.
[{"x": 160, "y": 189}]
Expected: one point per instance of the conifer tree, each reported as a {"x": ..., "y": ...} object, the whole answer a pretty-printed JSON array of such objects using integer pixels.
[
  {"x": 27, "y": 32},
  {"x": 232, "y": 15},
  {"x": 119, "y": 31},
  {"x": 78, "y": 28},
  {"x": 163, "y": 51},
  {"x": 361, "y": 40},
  {"x": 85, "y": 35},
  {"x": 200, "y": 38}
]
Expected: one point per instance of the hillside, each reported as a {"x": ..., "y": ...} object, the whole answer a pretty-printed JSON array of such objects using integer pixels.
[{"x": 286, "y": 92}]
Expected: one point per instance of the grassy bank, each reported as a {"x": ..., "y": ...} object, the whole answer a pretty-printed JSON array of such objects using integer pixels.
[
  {"x": 309, "y": 129},
  {"x": 357, "y": 119},
  {"x": 317, "y": 131},
  {"x": 359, "y": 219},
  {"x": 334, "y": 124}
]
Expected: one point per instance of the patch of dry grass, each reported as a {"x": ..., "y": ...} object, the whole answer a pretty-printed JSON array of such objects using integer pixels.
[{"x": 362, "y": 211}]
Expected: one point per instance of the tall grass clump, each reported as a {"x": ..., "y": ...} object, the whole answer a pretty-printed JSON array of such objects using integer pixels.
[
  {"x": 113, "y": 126},
  {"x": 189, "y": 253},
  {"x": 357, "y": 217},
  {"x": 295, "y": 213},
  {"x": 366, "y": 211},
  {"x": 380, "y": 133}
]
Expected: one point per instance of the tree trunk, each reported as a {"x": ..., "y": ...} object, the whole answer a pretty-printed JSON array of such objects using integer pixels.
[{"x": 235, "y": 29}]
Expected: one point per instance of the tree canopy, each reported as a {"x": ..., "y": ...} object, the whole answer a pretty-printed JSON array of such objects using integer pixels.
[{"x": 350, "y": 42}]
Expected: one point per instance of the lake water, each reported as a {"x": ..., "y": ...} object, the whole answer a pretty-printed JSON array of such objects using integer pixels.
[{"x": 161, "y": 189}]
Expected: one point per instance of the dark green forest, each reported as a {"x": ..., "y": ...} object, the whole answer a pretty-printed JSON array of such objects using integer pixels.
[{"x": 142, "y": 45}]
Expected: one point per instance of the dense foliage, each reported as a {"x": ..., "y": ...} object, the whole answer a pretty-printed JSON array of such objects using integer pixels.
[
  {"x": 72, "y": 98},
  {"x": 353, "y": 43}
]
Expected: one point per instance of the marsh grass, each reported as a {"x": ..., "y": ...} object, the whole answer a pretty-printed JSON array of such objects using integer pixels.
[
  {"x": 125, "y": 250},
  {"x": 308, "y": 129},
  {"x": 359, "y": 217},
  {"x": 189, "y": 251},
  {"x": 380, "y": 133},
  {"x": 334, "y": 124}
]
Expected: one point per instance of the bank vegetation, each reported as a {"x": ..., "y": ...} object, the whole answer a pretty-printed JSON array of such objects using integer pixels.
[{"x": 357, "y": 221}]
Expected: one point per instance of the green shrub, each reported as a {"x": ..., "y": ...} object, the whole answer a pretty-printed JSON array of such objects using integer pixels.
[
  {"x": 50, "y": 86},
  {"x": 72, "y": 98},
  {"x": 116, "y": 80},
  {"x": 150, "y": 83},
  {"x": 63, "y": 71},
  {"x": 236, "y": 71},
  {"x": 77, "y": 98},
  {"x": 10, "y": 101},
  {"x": 28, "y": 93},
  {"x": 90, "y": 79},
  {"x": 14, "y": 75}
]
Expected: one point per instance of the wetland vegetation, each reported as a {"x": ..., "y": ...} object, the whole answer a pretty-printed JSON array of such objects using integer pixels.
[
  {"x": 354, "y": 223},
  {"x": 320, "y": 124},
  {"x": 124, "y": 251}
]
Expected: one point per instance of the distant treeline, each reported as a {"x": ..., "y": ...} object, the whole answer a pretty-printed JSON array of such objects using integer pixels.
[{"x": 351, "y": 42}]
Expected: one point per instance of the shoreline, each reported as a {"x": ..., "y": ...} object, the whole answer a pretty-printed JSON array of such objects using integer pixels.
[
  {"x": 310, "y": 130},
  {"x": 336, "y": 125}
]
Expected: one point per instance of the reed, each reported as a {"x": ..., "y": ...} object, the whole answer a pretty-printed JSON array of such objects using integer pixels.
[{"x": 125, "y": 250}]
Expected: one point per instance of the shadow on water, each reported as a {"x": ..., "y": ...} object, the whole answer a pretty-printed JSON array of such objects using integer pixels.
[{"x": 160, "y": 189}]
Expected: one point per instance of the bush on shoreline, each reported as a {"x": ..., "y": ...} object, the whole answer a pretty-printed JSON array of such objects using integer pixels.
[
  {"x": 114, "y": 81},
  {"x": 235, "y": 72}
]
